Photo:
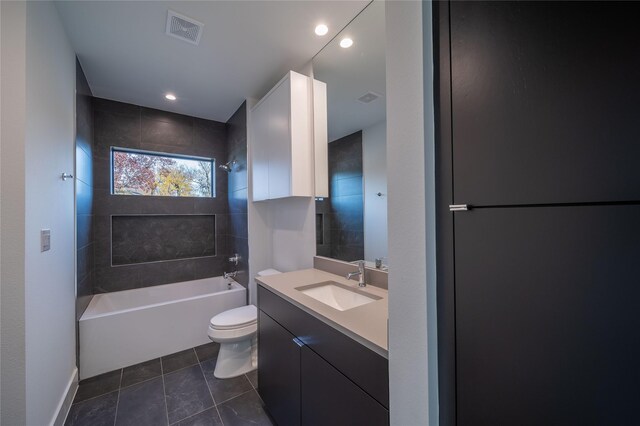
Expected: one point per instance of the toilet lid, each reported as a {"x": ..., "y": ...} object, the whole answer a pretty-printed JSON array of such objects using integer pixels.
[{"x": 235, "y": 318}]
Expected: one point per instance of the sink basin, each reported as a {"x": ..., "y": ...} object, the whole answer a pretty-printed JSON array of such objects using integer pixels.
[{"x": 338, "y": 296}]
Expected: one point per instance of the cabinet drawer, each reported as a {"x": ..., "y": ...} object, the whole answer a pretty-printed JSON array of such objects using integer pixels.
[
  {"x": 348, "y": 356},
  {"x": 279, "y": 371},
  {"x": 329, "y": 398}
]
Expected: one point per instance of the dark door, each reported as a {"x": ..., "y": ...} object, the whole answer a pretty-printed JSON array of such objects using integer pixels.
[
  {"x": 539, "y": 282},
  {"x": 548, "y": 315},
  {"x": 330, "y": 398},
  {"x": 545, "y": 101},
  {"x": 278, "y": 371}
]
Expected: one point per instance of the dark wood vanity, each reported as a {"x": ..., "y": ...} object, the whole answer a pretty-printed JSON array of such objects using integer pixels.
[{"x": 309, "y": 373}]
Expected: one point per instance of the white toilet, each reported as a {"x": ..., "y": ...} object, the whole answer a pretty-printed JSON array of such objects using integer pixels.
[{"x": 236, "y": 331}]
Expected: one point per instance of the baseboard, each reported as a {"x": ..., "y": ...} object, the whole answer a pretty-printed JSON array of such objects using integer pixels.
[{"x": 66, "y": 400}]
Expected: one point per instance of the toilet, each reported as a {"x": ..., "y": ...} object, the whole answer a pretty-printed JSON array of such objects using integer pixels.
[{"x": 236, "y": 331}]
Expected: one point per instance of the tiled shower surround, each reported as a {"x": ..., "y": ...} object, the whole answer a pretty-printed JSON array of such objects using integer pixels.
[
  {"x": 237, "y": 151},
  {"x": 188, "y": 238},
  {"x": 85, "y": 270},
  {"x": 342, "y": 220}
]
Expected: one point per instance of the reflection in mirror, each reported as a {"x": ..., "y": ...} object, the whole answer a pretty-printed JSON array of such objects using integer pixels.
[{"x": 351, "y": 224}]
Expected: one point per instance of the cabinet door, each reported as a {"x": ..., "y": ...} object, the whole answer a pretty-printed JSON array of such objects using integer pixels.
[
  {"x": 544, "y": 99},
  {"x": 278, "y": 108},
  {"x": 278, "y": 371},
  {"x": 329, "y": 398},
  {"x": 260, "y": 153},
  {"x": 547, "y": 315}
]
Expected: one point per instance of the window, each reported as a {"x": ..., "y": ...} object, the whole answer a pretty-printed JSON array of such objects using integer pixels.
[{"x": 151, "y": 173}]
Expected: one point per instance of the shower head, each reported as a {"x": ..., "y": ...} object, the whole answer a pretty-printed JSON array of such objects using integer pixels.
[{"x": 228, "y": 167}]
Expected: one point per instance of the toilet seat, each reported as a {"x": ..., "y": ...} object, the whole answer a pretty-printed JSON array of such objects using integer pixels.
[{"x": 237, "y": 318}]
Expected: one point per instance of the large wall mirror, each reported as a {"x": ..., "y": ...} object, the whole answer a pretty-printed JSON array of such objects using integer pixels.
[{"x": 351, "y": 224}]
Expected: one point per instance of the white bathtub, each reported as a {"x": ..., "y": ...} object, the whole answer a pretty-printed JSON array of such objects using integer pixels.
[{"x": 128, "y": 327}]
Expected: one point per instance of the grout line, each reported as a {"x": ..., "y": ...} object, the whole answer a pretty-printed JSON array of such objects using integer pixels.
[
  {"x": 234, "y": 397},
  {"x": 140, "y": 382},
  {"x": 211, "y": 394},
  {"x": 247, "y": 377},
  {"x": 192, "y": 415},
  {"x": 164, "y": 391},
  {"x": 115, "y": 417}
]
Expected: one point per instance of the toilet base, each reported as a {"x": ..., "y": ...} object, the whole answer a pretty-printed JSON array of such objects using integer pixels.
[{"x": 236, "y": 359}]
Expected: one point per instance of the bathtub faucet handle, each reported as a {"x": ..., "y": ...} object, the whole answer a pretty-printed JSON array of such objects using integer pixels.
[
  {"x": 235, "y": 259},
  {"x": 228, "y": 275}
]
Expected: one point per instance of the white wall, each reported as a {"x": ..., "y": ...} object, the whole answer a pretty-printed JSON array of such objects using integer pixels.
[
  {"x": 412, "y": 349},
  {"x": 12, "y": 126},
  {"x": 374, "y": 168},
  {"x": 48, "y": 285}
]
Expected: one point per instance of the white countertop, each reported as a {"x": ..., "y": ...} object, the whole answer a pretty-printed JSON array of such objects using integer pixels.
[{"x": 366, "y": 324}]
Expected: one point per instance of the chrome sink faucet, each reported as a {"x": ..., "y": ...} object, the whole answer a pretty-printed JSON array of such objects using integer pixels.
[{"x": 360, "y": 273}]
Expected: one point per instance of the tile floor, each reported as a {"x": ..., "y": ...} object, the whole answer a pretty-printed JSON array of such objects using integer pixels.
[{"x": 177, "y": 389}]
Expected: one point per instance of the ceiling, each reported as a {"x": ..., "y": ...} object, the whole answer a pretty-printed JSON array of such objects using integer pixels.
[
  {"x": 246, "y": 47},
  {"x": 352, "y": 72}
]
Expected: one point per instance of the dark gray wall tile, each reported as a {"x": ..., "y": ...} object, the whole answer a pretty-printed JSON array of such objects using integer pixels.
[
  {"x": 121, "y": 108},
  {"x": 159, "y": 273},
  {"x": 140, "y": 239},
  {"x": 237, "y": 191},
  {"x": 84, "y": 165},
  {"x": 84, "y": 198},
  {"x": 130, "y": 126},
  {"x": 343, "y": 211},
  {"x": 84, "y": 195},
  {"x": 84, "y": 230}
]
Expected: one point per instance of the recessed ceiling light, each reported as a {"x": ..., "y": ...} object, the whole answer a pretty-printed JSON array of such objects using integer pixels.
[
  {"x": 322, "y": 29},
  {"x": 346, "y": 42},
  {"x": 170, "y": 96}
]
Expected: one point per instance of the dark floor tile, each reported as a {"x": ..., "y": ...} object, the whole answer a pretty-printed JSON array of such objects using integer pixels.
[
  {"x": 100, "y": 411},
  {"x": 98, "y": 385},
  {"x": 173, "y": 362},
  {"x": 142, "y": 405},
  {"x": 209, "y": 417},
  {"x": 186, "y": 393},
  {"x": 246, "y": 409},
  {"x": 253, "y": 378},
  {"x": 207, "y": 351},
  {"x": 141, "y": 372},
  {"x": 224, "y": 389}
]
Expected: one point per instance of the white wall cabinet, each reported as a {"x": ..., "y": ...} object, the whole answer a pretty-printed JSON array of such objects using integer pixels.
[{"x": 283, "y": 151}]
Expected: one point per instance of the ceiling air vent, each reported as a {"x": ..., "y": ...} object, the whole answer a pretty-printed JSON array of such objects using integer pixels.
[
  {"x": 368, "y": 97},
  {"x": 184, "y": 28}
]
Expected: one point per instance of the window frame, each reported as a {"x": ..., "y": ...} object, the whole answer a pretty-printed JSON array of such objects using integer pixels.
[{"x": 115, "y": 149}]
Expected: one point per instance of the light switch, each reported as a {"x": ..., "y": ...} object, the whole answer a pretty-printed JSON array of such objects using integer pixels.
[{"x": 45, "y": 239}]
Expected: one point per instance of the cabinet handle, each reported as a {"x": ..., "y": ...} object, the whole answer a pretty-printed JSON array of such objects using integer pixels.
[
  {"x": 459, "y": 207},
  {"x": 298, "y": 342}
]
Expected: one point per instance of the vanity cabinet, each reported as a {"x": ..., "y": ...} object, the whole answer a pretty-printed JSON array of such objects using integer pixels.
[
  {"x": 279, "y": 383},
  {"x": 311, "y": 374},
  {"x": 283, "y": 139}
]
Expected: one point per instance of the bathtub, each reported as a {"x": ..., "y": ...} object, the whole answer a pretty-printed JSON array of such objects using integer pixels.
[{"x": 128, "y": 327}]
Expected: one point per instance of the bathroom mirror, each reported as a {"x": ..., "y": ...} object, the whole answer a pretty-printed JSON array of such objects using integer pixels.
[{"x": 351, "y": 223}]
